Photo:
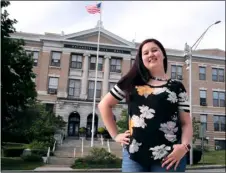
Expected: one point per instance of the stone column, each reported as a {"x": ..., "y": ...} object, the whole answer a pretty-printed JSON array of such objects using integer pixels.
[
  {"x": 106, "y": 75},
  {"x": 63, "y": 80},
  {"x": 84, "y": 84}
]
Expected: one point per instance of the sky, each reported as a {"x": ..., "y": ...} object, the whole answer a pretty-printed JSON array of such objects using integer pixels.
[{"x": 172, "y": 23}]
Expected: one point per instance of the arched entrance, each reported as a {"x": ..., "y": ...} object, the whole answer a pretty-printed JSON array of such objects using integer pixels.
[
  {"x": 89, "y": 125},
  {"x": 73, "y": 124}
]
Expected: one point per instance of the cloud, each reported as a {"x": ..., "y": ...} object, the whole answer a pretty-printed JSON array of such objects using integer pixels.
[{"x": 173, "y": 23}]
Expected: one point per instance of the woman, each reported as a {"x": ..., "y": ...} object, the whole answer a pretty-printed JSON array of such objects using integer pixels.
[{"x": 159, "y": 123}]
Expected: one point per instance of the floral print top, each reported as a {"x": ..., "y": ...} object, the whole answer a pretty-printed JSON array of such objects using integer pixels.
[{"x": 154, "y": 119}]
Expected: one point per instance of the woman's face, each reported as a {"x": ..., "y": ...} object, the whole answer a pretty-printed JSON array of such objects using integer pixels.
[{"x": 152, "y": 56}]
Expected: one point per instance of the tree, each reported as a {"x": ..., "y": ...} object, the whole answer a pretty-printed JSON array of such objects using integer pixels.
[
  {"x": 17, "y": 86},
  {"x": 196, "y": 129},
  {"x": 35, "y": 123},
  {"x": 123, "y": 122}
]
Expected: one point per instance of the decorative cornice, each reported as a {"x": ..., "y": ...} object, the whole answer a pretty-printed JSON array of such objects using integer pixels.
[{"x": 131, "y": 47}]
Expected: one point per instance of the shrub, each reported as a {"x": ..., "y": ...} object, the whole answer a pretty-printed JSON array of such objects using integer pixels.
[
  {"x": 197, "y": 155},
  {"x": 13, "y": 151},
  {"x": 82, "y": 130},
  {"x": 38, "y": 145},
  {"x": 98, "y": 157},
  {"x": 205, "y": 148},
  {"x": 41, "y": 152},
  {"x": 32, "y": 158},
  {"x": 101, "y": 130}
]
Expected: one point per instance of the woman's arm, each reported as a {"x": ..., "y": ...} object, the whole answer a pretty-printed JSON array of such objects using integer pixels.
[
  {"x": 105, "y": 108},
  {"x": 187, "y": 129}
]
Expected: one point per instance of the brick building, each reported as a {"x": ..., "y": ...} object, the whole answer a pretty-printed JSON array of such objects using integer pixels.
[{"x": 65, "y": 69}]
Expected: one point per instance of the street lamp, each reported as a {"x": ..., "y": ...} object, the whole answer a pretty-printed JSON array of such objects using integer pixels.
[{"x": 188, "y": 54}]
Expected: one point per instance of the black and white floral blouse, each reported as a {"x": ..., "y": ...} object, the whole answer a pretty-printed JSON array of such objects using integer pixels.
[{"x": 154, "y": 122}]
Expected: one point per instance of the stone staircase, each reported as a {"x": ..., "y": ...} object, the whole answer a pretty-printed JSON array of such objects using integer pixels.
[{"x": 64, "y": 154}]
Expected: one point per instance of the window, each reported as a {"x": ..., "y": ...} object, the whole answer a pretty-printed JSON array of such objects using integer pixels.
[
  {"x": 222, "y": 99},
  {"x": 55, "y": 59},
  {"x": 176, "y": 72},
  {"x": 202, "y": 94},
  {"x": 115, "y": 65},
  {"x": 35, "y": 55},
  {"x": 219, "y": 123},
  {"x": 111, "y": 85},
  {"x": 74, "y": 88},
  {"x": 76, "y": 61},
  {"x": 203, "y": 122},
  {"x": 91, "y": 89},
  {"x": 53, "y": 85},
  {"x": 221, "y": 75},
  {"x": 220, "y": 144},
  {"x": 202, "y": 73},
  {"x": 217, "y": 75},
  {"x": 92, "y": 63},
  {"x": 218, "y": 99}
]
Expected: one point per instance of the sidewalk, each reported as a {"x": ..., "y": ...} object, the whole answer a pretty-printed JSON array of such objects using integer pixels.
[{"x": 60, "y": 168}]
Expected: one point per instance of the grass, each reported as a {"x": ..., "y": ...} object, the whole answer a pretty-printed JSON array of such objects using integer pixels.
[
  {"x": 16, "y": 163},
  {"x": 96, "y": 166},
  {"x": 213, "y": 158}
]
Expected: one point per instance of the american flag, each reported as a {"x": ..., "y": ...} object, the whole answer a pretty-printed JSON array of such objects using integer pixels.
[{"x": 93, "y": 9}]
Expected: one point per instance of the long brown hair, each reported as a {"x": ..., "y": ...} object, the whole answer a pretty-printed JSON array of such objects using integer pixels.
[{"x": 139, "y": 74}]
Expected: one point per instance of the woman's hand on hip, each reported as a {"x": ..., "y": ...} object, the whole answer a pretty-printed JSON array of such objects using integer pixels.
[
  {"x": 123, "y": 138},
  {"x": 174, "y": 158}
]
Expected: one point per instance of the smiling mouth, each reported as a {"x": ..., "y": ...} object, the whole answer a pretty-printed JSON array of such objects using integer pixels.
[{"x": 152, "y": 59}]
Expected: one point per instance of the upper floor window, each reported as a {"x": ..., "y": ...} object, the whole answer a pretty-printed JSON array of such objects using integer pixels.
[
  {"x": 35, "y": 55},
  {"x": 76, "y": 61},
  {"x": 53, "y": 85},
  {"x": 176, "y": 72},
  {"x": 218, "y": 74},
  {"x": 91, "y": 88},
  {"x": 74, "y": 88},
  {"x": 92, "y": 63},
  {"x": 218, "y": 99},
  {"x": 55, "y": 59},
  {"x": 202, "y": 94},
  {"x": 115, "y": 65},
  {"x": 202, "y": 73}
]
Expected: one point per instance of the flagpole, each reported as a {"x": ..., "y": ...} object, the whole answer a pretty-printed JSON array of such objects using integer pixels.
[{"x": 95, "y": 86}]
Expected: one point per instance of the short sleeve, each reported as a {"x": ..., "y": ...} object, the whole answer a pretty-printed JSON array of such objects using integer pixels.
[
  {"x": 183, "y": 101},
  {"x": 117, "y": 92}
]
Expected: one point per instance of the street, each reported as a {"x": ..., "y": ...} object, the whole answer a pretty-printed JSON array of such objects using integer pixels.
[{"x": 208, "y": 170}]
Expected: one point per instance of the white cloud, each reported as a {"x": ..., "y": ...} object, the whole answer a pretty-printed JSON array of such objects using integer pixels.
[{"x": 173, "y": 23}]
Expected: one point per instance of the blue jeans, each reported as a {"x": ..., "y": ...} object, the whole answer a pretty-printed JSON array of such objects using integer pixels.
[{"x": 129, "y": 165}]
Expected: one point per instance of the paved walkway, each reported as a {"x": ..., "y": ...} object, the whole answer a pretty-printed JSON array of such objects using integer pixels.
[{"x": 67, "y": 168}]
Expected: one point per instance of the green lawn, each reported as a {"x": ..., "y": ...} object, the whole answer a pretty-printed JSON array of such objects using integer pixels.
[
  {"x": 16, "y": 163},
  {"x": 213, "y": 157}
]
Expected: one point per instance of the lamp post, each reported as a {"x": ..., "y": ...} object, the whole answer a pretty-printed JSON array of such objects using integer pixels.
[{"x": 188, "y": 54}]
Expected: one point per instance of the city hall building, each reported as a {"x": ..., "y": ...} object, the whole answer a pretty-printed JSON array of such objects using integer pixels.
[{"x": 65, "y": 73}]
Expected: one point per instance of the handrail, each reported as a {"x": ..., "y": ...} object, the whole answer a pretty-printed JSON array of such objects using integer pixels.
[
  {"x": 54, "y": 146},
  {"x": 47, "y": 156}
]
